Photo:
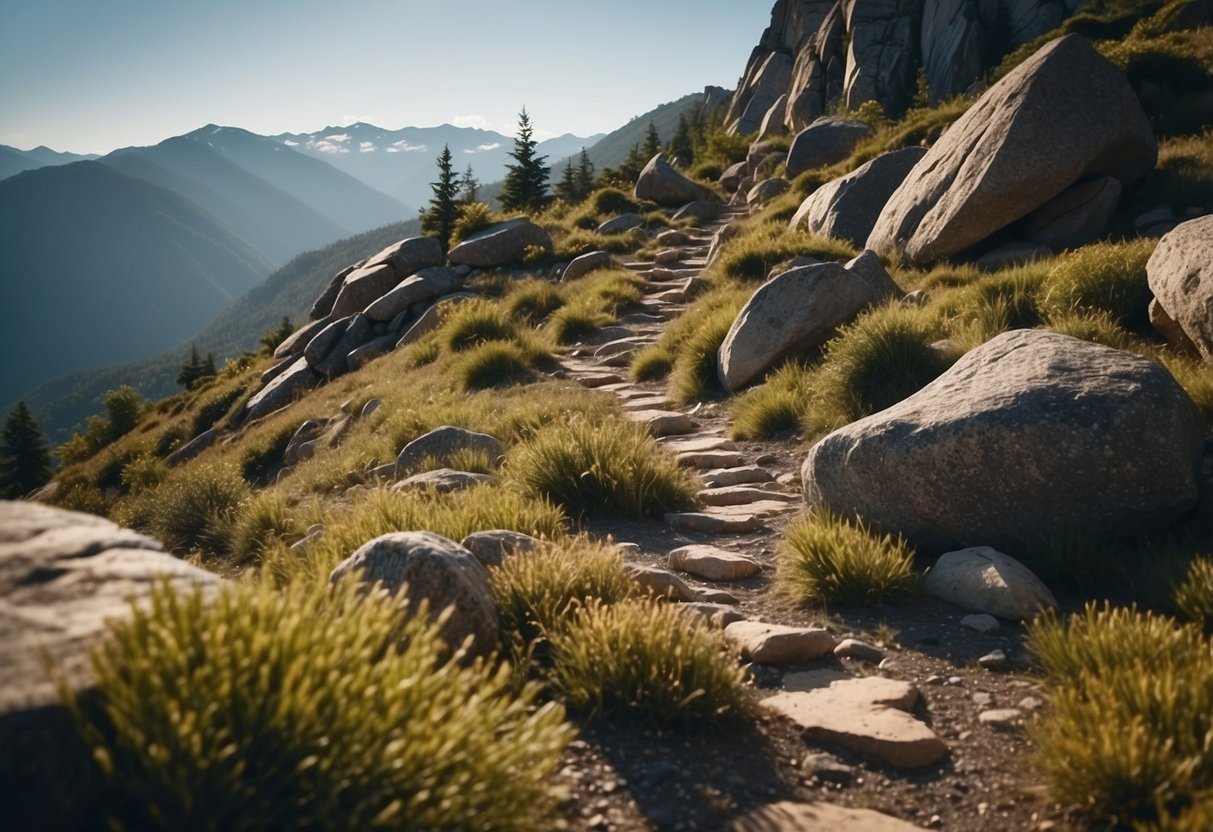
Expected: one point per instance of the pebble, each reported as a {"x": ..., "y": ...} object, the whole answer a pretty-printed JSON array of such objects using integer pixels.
[
  {"x": 1029, "y": 703},
  {"x": 767, "y": 459},
  {"x": 1004, "y": 719},
  {"x": 994, "y": 660},
  {"x": 934, "y": 680},
  {"x": 982, "y": 698},
  {"x": 627, "y": 548},
  {"x": 828, "y": 769},
  {"x": 955, "y": 680},
  {"x": 861, "y": 650},
  {"x": 982, "y": 623}
]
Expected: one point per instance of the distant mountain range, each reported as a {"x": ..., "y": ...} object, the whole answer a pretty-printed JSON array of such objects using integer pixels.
[{"x": 14, "y": 161}]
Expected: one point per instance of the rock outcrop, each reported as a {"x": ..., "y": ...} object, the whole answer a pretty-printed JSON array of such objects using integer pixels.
[
  {"x": 659, "y": 182},
  {"x": 503, "y": 243},
  {"x": 796, "y": 311},
  {"x": 1029, "y": 436},
  {"x": 988, "y": 170},
  {"x": 824, "y": 142},
  {"x": 1180, "y": 272}
]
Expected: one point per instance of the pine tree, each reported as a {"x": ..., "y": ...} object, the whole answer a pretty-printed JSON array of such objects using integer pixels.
[
  {"x": 439, "y": 220},
  {"x": 469, "y": 186},
  {"x": 681, "y": 147},
  {"x": 25, "y": 461},
  {"x": 652, "y": 142},
  {"x": 566, "y": 188},
  {"x": 272, "y": 338},
  {"x": 526, "y": 184},
  {"x": 197, "y": 369},
  {"x": 585, "y": 175},
  {"x": 630, "y": 168}
]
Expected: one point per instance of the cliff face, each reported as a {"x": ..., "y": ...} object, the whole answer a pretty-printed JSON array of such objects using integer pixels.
[{"x": 820, "y": 53}]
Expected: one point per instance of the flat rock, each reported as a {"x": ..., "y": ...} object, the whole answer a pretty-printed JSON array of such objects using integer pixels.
[
  {"x": 1180, "y": 273},
  {"x": 983, "y": 580},
  {"x": 719, "y": 615},
  {"x": 777, "y": 644},
  {"x": 712, "y": 563},
  {"x": 711, "y": 523},
  {"x": 735, "y": 475},
  {"x": 737, "y": 495},
  {"x": 787, "y": 816},
  {"x": 1057, "y": 435},
  {"x": 869, "y": 715},
  {"x": 1002, "y": 719},
  {"x": 443, "y": 481},
  {"x": 703, "y": 444},
  {"x": 593, "y": 380},
  {"x": 663, "y": 422},
  {"x": 660, "y": 583},
  {"x": 492, "y": 545}
]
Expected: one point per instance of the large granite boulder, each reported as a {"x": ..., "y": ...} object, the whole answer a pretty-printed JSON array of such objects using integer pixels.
[
  {"x": 295, "y": 342},
  {"x": 659, "y": 182},
  {"x": 441, "y": 444},
  {"x": 438, "y": 571},
  {"x": 361, "y": 287},
  {"x": 984, "y": 580},
  {"x": 826, "y": 141},
  {"x": 847, "y": 207},
  {"x": 1180, "y": 272},
  {"x": 586, "y": 263},
  {"x": 1077, "y": 217},
  {"x": 497, "y": 245},
  {"x": 796, "y": 311},
  {"x": 1029, "y": 436},
  {"x": 424, "y": 285},
  {"x": 63, "y": 575},
  {"x": 772, "y": 122},
  {"x": 1063, "y": 115},
  {"x": 409, "y": 256},
  {"x": 283, "y": 390}
]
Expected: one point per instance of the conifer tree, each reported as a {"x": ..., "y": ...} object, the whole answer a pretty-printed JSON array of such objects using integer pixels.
[
  {"x": 197, "y": 369},
  {"x": 681, "y": 147},
  {"x": 469, "y": 186},
  {"x": 272, "y": 338},
  {"x": 629, "y": 169},
  {"x": 25, "y": 461},
  {"x": 566, "y": 188},
  {"x": 439, "y": 221},
  {"x": 585, "y": 175},
  {"x": 652, "y": 142},
  {"x": 526, "y": 184}
]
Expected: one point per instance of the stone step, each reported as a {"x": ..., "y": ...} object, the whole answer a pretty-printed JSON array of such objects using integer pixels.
[
  {"x": 710, "y": 459},
  {"x": 700, "y": 444},
  {"x": 712, "y": 523},
  {"x": 664, "y": 422},
  {"x": 648, "y": 403},
  {"x": 736, "y": 495},
  {"x": 676, "y": 295},
  {"x": 593, "y": 380},
  {"x": 640, "y": 319},
  {"x": 736, "y": 475},
  {"x": 619, "y": 359},
  {"x": 658, "y": 286},
  {"x": 619, "y": 345},
  {"x": 713, "y": 563},
  {"x": 759, "y": 508}
]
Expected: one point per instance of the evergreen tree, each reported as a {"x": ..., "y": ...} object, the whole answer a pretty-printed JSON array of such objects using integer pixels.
[
  {"x": 652, "y": 142},
  {"x": 585, "y": 175},
  {"x": 469, "y": 186},
  {"x": 197, "y": 369},
  {"x": 526, "y": 184},
  {"x": 439, "y": 220},
  {"x": 272, "y": 338},
  {"x": 681, "y": 147},
  {"x": 630, "y": 168},
  {"x": 25, "y": 461},
  {"x": 566, "y": 188}
]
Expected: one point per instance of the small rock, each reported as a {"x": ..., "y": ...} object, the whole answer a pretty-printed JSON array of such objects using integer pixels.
[
  {"x": 491, "y": 546},
  {"x": 777, "y": 644},
  {"x": 443, "y": 481},
  {"x": 982, "y": 623},
  {"x": 712, "y": 563},
  {"x": 719, "y": 596},
  {"x": 660, "y": 583},
  {"x": 1029, "y": 703},
  {"x": 720, "y": 615},
  {"x": 627, "y": 548},
  {"x": 982, "y": 699},
  {"x": 860, "y": 650},
  {"x": 1003, "y": 719},
  {"x": 994, "y": 660},
  {"x": 827, "y": 768}
]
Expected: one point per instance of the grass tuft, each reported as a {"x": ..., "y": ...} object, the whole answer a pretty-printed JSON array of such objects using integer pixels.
[
  {"x": 1193, "y": 596},
  {"x": 475, "y": 322},
  {"x": 1107, "y": 277},
  {"x": 826, "y": 559},
  {"x": 612, "y": 468},
  {"x": 780, "y": 404},
  {"x": 652, "y": 363},
  {"x": 649, "y": 659},
  {"x": 311, "y": 709},
  {"x": 533, "y": 301},
  {"x": 493, "y": 364},
  {"x": 195, "y": 509}
]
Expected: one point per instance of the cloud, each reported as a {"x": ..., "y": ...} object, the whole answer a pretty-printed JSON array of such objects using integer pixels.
[
  {"x": 290, "y": 143},
  {"x": 329, "y": 144},
  {"x": 479, "y": 122},
  {"x": 403, "y": 146},
  {"x": 485, "y": 147},
  {"x": 366, "y": 147},
  {"x": 339, "y": 138}
]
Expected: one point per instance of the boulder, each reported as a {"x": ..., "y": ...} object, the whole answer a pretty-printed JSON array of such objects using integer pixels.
[
  {"x": 192, "y": 448},
  {"x": 1180, "y": 272},
  {"x": 796, "y": 311},
  {"x": 772, "y": 122},
  {"x": 300, "y": 338},
  {"x": 1063, "y": 115},
  {"x": 984, "y": 580},
  {"x": 1171, "y": 332},
  {"x": 770, "y": 80},
  {"x": 323, "y": 307},
  {"x": 1031, "y": 435},
  {"x": 826, "y": 141},
  {"x": 424, "y": 285},
  {"x": 777, "y": 644},
  {"x": 586, "y": 263},
  {"x": 322, "y": 342},
  {"x": 1076, "y": 217},
  {"x": 409, "y": 256},
  {"x": 503, "y": 243},
  {"x": 490, "y": 547},
  {"x": 847, "y": 207},
  {"x": 660, "y": 183},
  {"x": 732, "y": 176},
  {"x": 360, "y": 331},
  {"x": 431, "y": 318},
  {"x": 766, "y": 190},
  {"x": 441, "y": 443},
  {"x": 442, "y": 481},
  {"x": 703, "y": 210},
  {"x": 283, "y": 390},
  {"x": 620, "y": 224},
  {"x": 660, "y": 583},
  {"x": 359, "y": 357},
  {"x": 713, "y": 563},
  {"x": 431, "y": 568},
  {"x": 362, "y": 287},
  {"x": 63, "y": 577}
]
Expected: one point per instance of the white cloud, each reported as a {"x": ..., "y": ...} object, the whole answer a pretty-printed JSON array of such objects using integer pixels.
[
  {"x": 479, "y": 122},
  {"x": 403, "y": 146},
  {"x": 366, "y": 147},
  {"x": 326, "y": 145},
  {"x": 338, "y": 138},
  {"x": 290, "y": 143},
  {"x": 485, "y": 147}
]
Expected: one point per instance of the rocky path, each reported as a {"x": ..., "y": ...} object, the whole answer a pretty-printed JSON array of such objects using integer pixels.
[{"x": 885, "y": 709}]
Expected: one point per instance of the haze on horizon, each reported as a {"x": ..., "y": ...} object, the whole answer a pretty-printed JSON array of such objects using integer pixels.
[{"x": 89, "y": 77}]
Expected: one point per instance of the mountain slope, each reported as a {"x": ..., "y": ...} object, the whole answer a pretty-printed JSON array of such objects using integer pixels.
[
  {"x": 343, "y": 199},
  {"x": 66, "y": 400},
  {"x": 270, "y": 219},
  {"x": 101, "y": 267},
  {"x": 14, "y": 161}
]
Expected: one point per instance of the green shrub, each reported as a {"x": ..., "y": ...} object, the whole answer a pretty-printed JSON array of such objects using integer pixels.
[
  {"x": 612, "y": 201},
  {"x": 472, "y": 218},
  {"x": 533, "y": 301},
  {"x": 262, "y": 457},
  {"x": 1194, "y": 377},
  {"x": 195, "y": 509},
  {"x": 648, "y": 659},
  {"x": 1152, "y": 681},
  {"x": 652, "y": 363},
  {"x": 311, "y": 709},
  {"x": 826, "y": 559},
  {"x": 695, "y": 374},
  {"x": 609, "y": 468},
  {"x": 1095, "y": 326},
  {"x": 875, "y": 362},
  {"x": 1193, "y": 596},
  {"x": 1106, "y": 276},
  {"x": 475, "y": 322},
  {"x": 143, "y": 472},
  {"x": 993, "y": 304},
  {"x": 537, "y": 591},
  {"x": 262, "y": 521},
  {"x": 493, "y": 364}
]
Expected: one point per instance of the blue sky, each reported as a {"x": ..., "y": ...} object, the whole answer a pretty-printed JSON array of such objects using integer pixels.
[{"x": 92, "y": 75}]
